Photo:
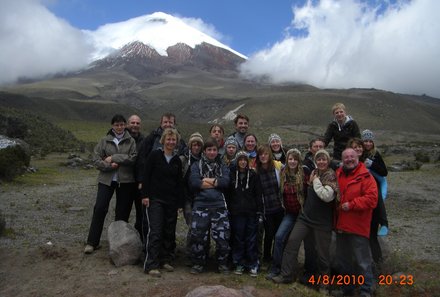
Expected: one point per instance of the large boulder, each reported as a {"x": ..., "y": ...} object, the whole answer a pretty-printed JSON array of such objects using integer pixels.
[
  {"x": 14, "y": 157},
  {"x": 125, "y": 244}
]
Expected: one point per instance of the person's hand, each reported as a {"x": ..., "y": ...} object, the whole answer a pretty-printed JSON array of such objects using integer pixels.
[
  {"x": 345, "y": 206},
  {"x": 146, "y": 202},
  {"x": 368, "y": 162},
  {"x": 108, "y": 159},
  {"x": 114, "y": 165}
]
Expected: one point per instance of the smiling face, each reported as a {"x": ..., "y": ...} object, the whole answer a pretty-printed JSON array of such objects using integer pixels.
[
  {"x": 275, "y": 145},
  {"x": 250, "y": 143},
  {"x": 242, "y": 163},
  {"x": 359, "y": 149},
  {"x": 242, "y": 126},
  {"x": 119, "y": 127},
  {"x": 339, "y": 115},
  {"x": 292, "y": 162},
  {"x": 350, "y": 159},
  {"x": 196, "y": 148},
  {"x": 167, "y": 122},
  {"x": 134, "y": 124},
  {"x": 211, "y": 152},
  {"x": 170, "y": 143},
  {"x": 368, "y": 145},
  {"x": 322, "y": 162}
]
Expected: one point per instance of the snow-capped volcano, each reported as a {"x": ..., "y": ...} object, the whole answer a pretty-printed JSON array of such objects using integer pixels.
[{"x": 158, "y": 30}]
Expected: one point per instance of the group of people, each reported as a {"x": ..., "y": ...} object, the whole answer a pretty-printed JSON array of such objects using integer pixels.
[{"x": 258, "y": 202}]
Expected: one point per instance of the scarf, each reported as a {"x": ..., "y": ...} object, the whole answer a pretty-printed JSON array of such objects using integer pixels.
[
  {"x": 209, "y": 168},
  {"x": 293, "y": 179},
  {"x": 328, "y": 178}
]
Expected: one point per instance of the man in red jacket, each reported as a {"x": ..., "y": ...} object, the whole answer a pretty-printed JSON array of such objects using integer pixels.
[{"x": 358, "y": 192}]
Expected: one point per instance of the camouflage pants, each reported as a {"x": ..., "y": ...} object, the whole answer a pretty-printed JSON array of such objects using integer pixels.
[{"x": 209, "y": 219}]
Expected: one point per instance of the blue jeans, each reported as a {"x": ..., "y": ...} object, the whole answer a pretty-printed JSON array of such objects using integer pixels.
[
  {"x": 244, "y": 245},
  {"x": 353, "y": 256},
  {"x": 280, "y": 239}
]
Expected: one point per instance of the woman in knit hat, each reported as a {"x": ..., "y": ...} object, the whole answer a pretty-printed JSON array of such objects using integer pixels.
[
  {"x": 376, "y": 166},
  {"x": 231, "y": 147},
  {"x": 195, "y": 144},
  {"x": 315, "y": 219},
  {"x": 276, "y": 145},
  {"x": 245, "y": 206},
  {"x": 293, "y": 190}
]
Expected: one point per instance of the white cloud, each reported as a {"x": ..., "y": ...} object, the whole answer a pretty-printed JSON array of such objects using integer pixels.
[
  {"x": 34, "y": 42},
  {"x": 349, "y": 44}
]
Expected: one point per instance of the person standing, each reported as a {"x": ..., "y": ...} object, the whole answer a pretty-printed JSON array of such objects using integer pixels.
[
  {"x": 376, "y": 166},
  {"x": 241, "y": 123},
  {"x": 218, "y": 133},
  {"x": 276, "y": 146},
  {"x": 245, "y": 206},
  {"x": 250, "y": 147},
  {"x": 269, "y": 172},
  {"x": 134, "y": 128},
  {"x": 162, "y": 195},
  {"x": 114, "y": 156},
  {"x": 195, "y": 145},
  {"x": 359, "y": 196},
  {"x": 341, "y": 129},
  {"x": 293, "y": 190},
  {"x": 208, "y": 180},
  {"x": 229, "y": 158}
]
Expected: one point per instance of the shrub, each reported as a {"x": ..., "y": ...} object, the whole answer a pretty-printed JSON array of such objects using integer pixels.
[
  {"x": 422, "y": 156},
  {"x": 13, "y": 161}
]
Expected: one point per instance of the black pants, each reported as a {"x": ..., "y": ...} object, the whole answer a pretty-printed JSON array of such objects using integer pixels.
[
  {"x": 161, "y": 238},
  {"x": 103, "y": 197},
  {"x": 271, "y": 224}
]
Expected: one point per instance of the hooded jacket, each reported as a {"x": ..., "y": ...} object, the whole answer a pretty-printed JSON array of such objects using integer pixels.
[
  {"x": 359, "y": 189},
  {"x": 341, "y": 134}
]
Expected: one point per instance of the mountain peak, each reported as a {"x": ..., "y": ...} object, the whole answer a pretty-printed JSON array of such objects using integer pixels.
[{"x": 159, "y": 31}]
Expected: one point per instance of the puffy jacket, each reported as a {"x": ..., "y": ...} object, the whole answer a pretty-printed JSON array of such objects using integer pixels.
[
  {"x": 124, "y": 154},
  {"x": 359, "y": 189}
]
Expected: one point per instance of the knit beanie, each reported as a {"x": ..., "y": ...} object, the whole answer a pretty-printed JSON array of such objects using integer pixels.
[
  {"x": 195, "y": 137},
  {"x": 322, "y": 152},
  {"x": 241, "y": 154},
  {"x": 230, "y": 141},
  {"x": 367, "y": 135},
  {"x": 274, "y": 136}
]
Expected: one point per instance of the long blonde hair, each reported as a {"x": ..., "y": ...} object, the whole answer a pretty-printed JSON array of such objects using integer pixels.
[{"x": 295, "y": 177}]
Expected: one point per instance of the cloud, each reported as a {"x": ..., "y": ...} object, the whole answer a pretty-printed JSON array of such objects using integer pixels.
[
  {"x": 206, "y": 28},
  {"x": 34, "y": 42},
  {"x": 346, "y": 44}
]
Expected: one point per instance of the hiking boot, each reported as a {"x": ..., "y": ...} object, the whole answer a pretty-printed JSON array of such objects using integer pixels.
[
  {"x": 239, "y": 270},
  {"x": 196, "y": 269},
  {"x": 89, "y": 249},
  {"x": 154, "y": 272},
  {"x": 168, "y": 267},
  {"x": 253, "y": 272},
  {"x": 223, "y": 269},
  {"x": 279, "y": 279}
]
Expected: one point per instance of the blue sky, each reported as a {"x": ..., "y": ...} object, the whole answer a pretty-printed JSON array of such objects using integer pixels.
[
  {"x": 391, "y": 45},
  {"x": 245, "y": 25}
]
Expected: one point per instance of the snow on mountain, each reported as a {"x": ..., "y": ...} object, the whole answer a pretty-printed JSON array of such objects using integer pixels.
[{"x": 158, "y": 30}]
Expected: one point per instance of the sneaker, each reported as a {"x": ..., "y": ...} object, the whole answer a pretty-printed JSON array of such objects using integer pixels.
[
  {"x": 279, "y": 279},
  {"x": 223, "y": 269},
  {"x": 253, "y": 272},
  {"x": 168, "y": 267},
  {"x": 270, "y": 275},
  {"x": 196, "y": 269},
  {"x": 89, "y": 249},
  {"x": 239, "y": 270},
  {"x": 154, "y": 272}
]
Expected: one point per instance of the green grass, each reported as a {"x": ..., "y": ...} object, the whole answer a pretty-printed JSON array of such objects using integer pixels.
[{"x": 85, "y": 130}]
